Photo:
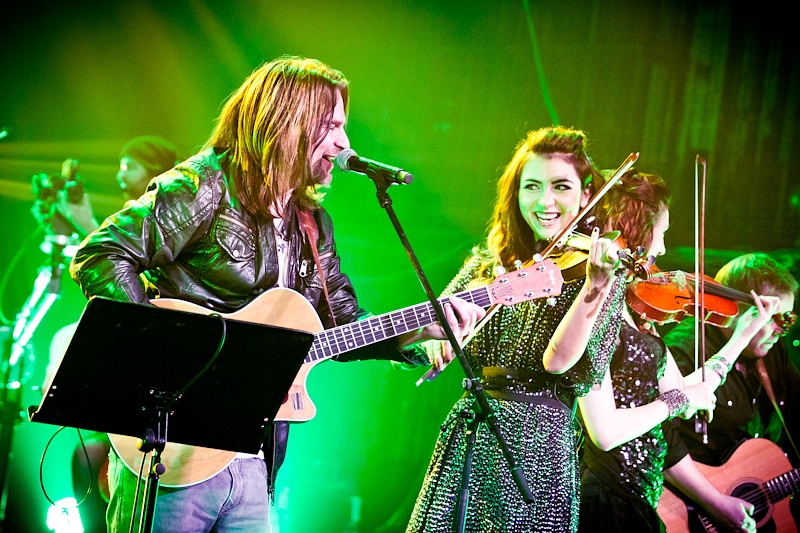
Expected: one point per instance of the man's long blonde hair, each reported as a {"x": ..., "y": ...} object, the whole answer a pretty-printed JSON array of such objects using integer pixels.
[{"x": 271, "y": 125}]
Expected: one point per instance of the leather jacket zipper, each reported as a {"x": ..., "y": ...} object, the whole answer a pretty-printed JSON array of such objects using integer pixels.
[{"x": 235, "y": 221}]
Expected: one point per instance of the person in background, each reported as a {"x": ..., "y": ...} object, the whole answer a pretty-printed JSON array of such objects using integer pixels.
[
  {"x": 744, "y": 409},
  {"x": 141, "y": 159}
]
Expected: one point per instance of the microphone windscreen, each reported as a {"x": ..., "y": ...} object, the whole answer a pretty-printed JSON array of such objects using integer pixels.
[{"x": 343, "y": 159}]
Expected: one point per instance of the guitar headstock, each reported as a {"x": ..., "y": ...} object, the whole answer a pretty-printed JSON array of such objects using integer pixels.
[{"x": 542, "y": 279}]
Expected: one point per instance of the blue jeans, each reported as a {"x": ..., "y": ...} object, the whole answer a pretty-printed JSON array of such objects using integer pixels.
[{"x": 235, "y": 500}]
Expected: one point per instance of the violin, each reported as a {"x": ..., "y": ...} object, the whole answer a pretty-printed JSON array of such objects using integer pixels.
[
  {"x": 670, "y": 296},
  {"x": 572, "y": 260}
]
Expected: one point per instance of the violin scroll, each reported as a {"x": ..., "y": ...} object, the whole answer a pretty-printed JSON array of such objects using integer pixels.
[
  {"x": 637, "y": 263},
  {"x": 640, "y": 266}
]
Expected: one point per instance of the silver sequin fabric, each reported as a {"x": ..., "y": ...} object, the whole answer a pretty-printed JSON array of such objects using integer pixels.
[
  {"x": 542, "y": 438},
  {"x": 636, "y": 466}
]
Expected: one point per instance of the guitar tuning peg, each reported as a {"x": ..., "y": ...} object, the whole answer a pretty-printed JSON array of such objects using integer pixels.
[
  {"x": 651, "y": 259},
  {"x": 499, "y": 270},
  {"x": 537, "y": 258},
  {"x": 518, "y": 263},
  {"x": 551, "y": 301}
]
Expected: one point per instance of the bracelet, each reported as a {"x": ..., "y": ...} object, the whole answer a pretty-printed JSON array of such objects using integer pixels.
[
  {"x": 676, "y": 401},
  {"x": 720, "y": 367},
  {"x": 728, "y": 365}
]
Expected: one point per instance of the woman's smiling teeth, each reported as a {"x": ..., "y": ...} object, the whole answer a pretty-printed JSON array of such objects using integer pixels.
[{"x": 547, "y": 218}]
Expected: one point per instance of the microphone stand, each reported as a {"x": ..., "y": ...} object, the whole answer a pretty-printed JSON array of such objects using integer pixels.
[{"x": 481, "y": 411}]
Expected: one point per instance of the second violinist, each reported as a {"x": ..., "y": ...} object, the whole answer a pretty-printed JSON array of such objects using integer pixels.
[{"x": 627, "y": 450}]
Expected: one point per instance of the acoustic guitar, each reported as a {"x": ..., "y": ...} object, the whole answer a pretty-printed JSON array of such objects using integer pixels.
[
  {"x": 187, "y": 465},
  {"x": 758, "y": 472}
]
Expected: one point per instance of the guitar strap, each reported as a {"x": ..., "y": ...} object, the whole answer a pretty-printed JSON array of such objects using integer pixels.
[
  {"x": 762, "y": 373},
  {"x": 309, "y": 227}
]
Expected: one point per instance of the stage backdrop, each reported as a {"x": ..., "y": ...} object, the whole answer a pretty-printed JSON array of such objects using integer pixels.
[{"x": 443, "y": 89}]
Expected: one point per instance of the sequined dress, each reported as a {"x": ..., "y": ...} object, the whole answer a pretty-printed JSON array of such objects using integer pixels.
[
  {"x": 624, "y": 484},
  {"x": 541, "y": 436}
]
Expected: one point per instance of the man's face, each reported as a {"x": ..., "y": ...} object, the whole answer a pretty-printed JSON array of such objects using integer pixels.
[
  {"x": 768, "y": 335},
  {"x": 334, "y": 141},
  {"x": 132, "y": 177}
]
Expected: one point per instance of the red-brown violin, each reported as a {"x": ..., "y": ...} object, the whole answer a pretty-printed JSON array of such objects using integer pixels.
[{"x": 670, "y": 296}]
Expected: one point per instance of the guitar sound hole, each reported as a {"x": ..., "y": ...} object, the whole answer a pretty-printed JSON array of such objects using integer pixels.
[{"x": 756, "y": 495}]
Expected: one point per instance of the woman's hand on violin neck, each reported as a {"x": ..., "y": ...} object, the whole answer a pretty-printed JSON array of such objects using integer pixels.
[
  {"x": 701, "y": 398},
  {"x": 602, "y": 261}
]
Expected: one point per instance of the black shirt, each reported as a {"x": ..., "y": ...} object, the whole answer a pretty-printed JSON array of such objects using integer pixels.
[{"x": 743, "y": 409}]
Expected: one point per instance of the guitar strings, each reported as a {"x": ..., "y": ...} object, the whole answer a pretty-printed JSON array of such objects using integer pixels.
[
  {"x": 330, "y": 342},
  {"x": 760, "y": 495}
]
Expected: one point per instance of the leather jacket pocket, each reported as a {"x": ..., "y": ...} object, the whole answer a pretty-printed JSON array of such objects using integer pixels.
[{"x": 235, "y": 238}]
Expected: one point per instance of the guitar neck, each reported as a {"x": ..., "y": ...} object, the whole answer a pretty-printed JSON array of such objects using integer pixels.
[
  {"x": 332, "y": 342},
  {"x": 783, "y": 486}
]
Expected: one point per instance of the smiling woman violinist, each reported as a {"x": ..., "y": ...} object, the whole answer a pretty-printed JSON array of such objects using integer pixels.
[
  {"x": 534, "y": 358},
  {"x": 626, "y": 450}
]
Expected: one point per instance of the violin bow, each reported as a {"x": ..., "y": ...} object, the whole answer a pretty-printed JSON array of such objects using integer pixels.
[{"x": 701, "y": 418}]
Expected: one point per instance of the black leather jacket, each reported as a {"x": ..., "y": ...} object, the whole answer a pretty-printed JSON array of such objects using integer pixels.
[{"x": 188, "y": 237}]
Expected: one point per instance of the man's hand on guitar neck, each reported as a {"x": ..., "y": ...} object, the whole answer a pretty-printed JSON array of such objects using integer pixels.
[{"x": 461, "y": 317}]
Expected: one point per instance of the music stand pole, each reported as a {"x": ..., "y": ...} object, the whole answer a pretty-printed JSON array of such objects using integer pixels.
[
  {"x": 155, "y": 440},
  {"x": 482, "y": 410}
]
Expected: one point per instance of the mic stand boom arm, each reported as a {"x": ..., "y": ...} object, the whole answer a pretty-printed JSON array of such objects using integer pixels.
[{"x": 484, "y": 412}]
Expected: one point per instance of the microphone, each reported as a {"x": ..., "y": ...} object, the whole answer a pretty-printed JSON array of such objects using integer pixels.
[{"x": 349, "y": 161}]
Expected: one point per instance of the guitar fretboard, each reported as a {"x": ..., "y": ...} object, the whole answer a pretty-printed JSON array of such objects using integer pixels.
[
  {"x": 783, "y": 486},
  {"x": 332, "y": 342}
]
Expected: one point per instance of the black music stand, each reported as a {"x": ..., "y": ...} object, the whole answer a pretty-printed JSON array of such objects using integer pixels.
[{"x": 126, "y": 362}]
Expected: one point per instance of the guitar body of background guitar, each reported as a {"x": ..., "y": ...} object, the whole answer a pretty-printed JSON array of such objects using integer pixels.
[
  {"x": 758, "y": 471},
  {"x": 187, "y": 465}
]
